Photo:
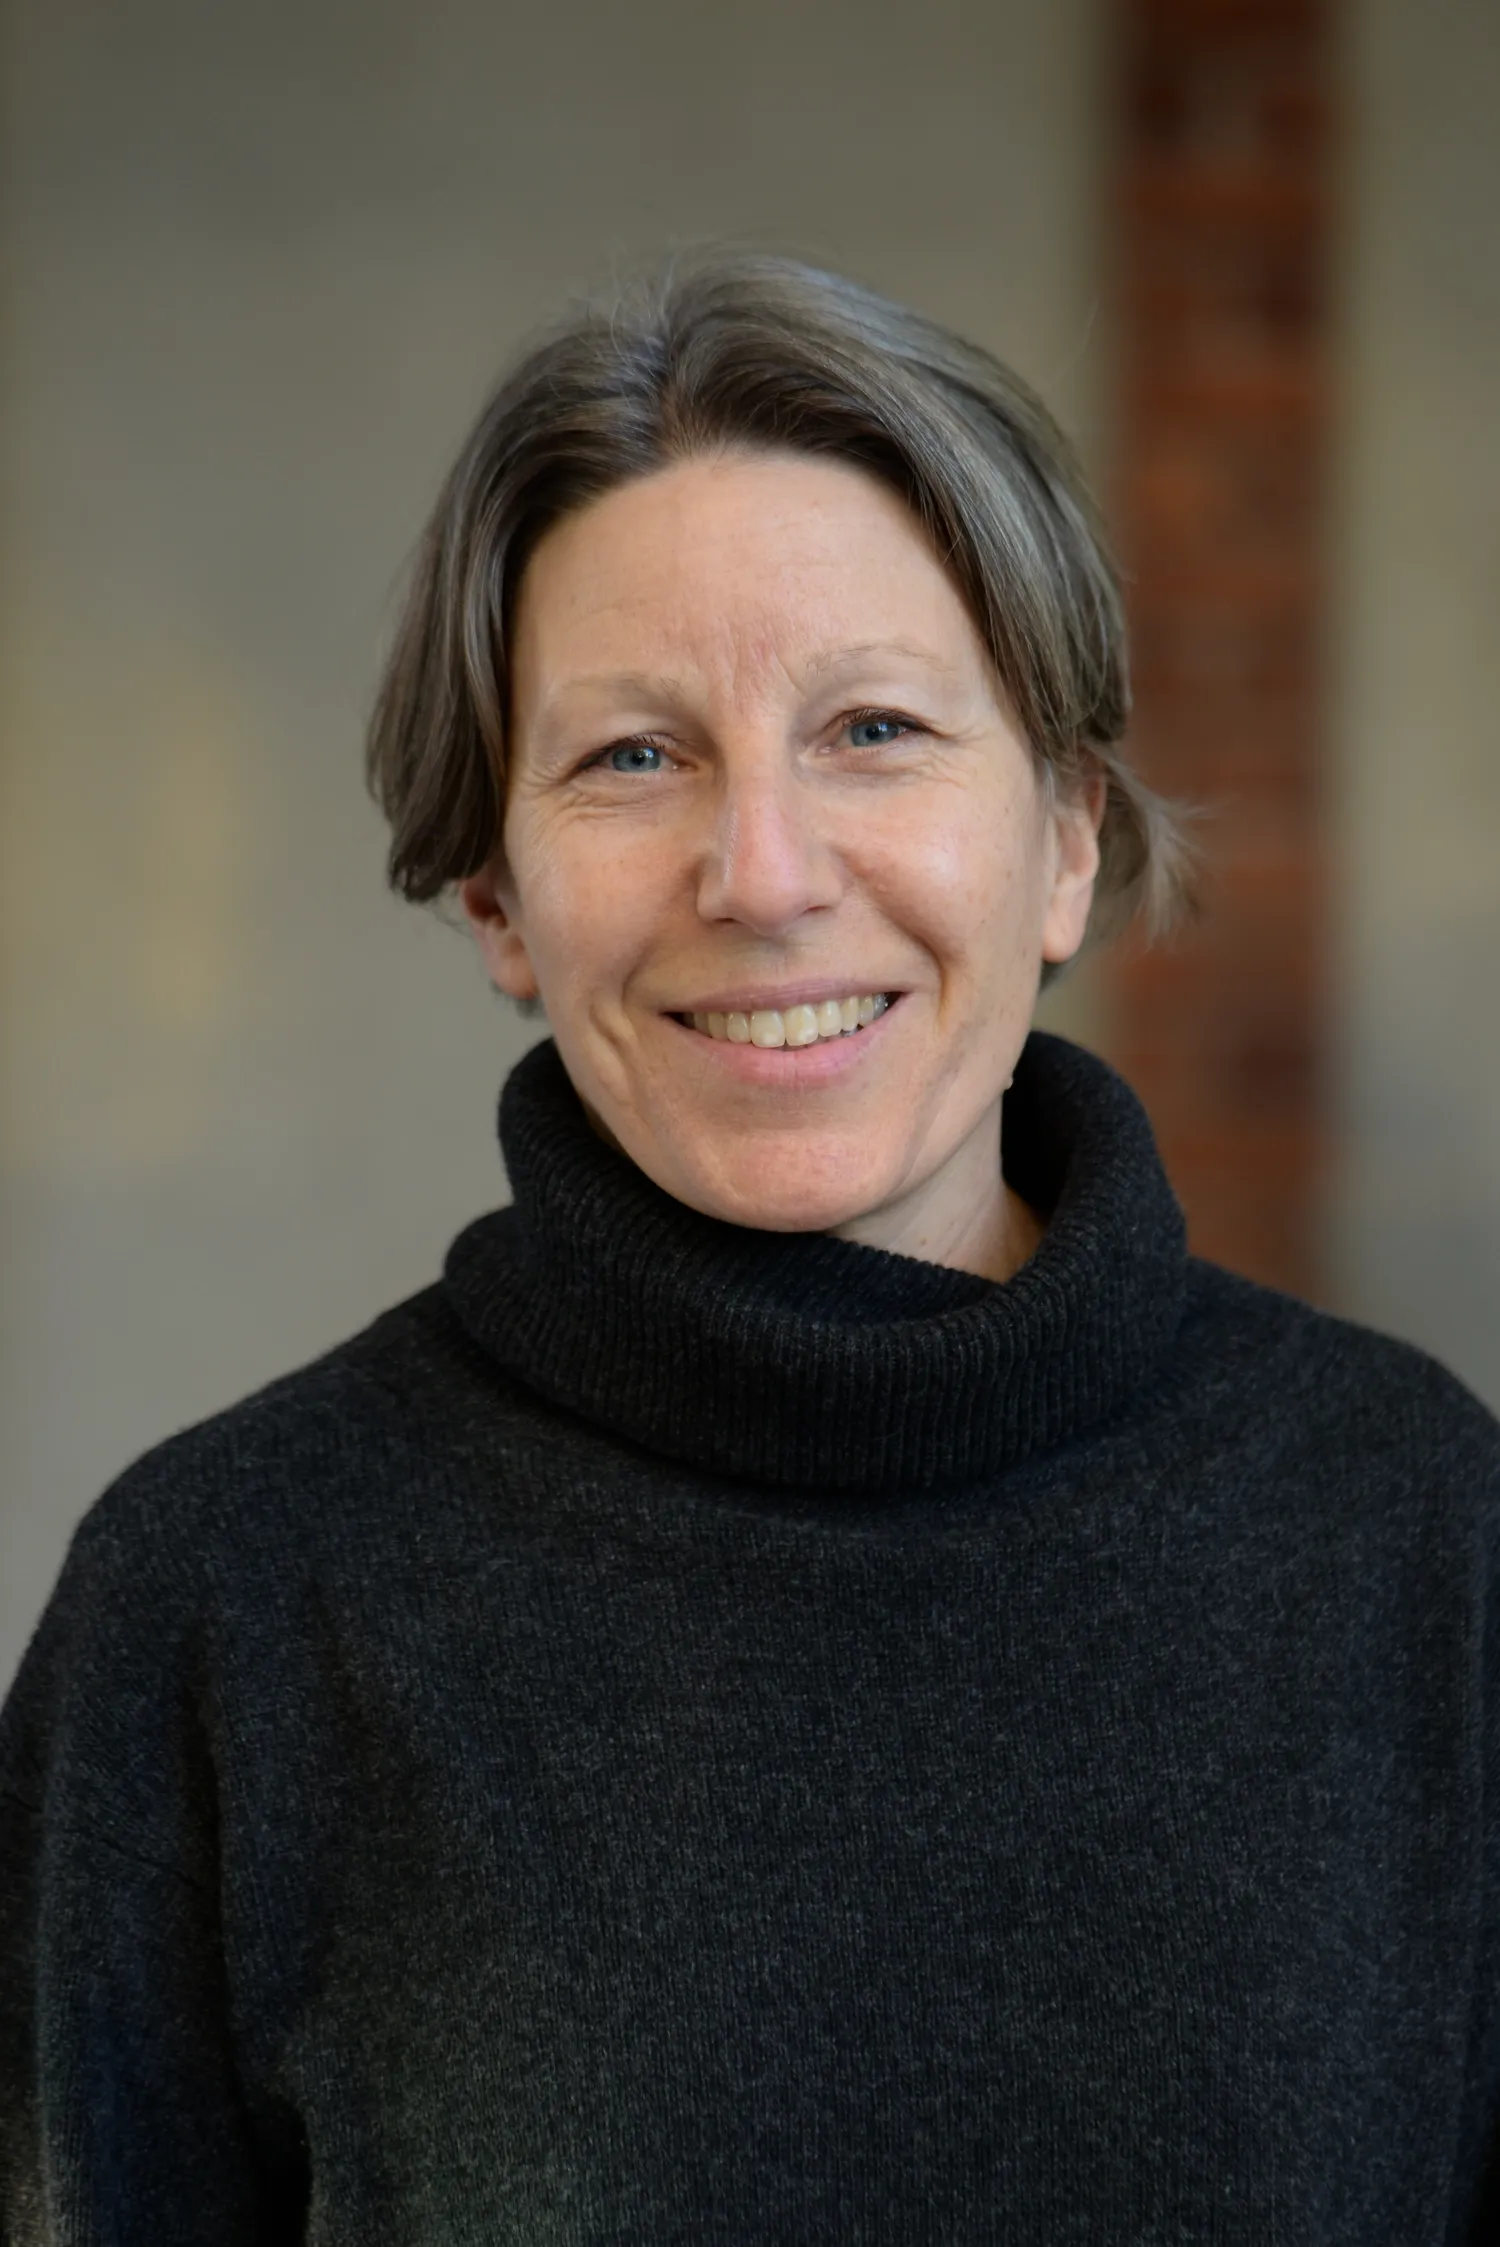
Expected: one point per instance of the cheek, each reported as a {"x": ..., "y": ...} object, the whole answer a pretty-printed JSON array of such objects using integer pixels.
[
  {"x": 964, "y": 877},
  {"x": 587, "y": 902}
]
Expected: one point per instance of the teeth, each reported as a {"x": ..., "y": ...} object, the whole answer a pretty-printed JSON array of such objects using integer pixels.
[{"x": 794, "y": 1026}]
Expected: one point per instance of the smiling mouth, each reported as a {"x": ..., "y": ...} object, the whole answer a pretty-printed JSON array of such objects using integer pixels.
[{"x": 770, "y": 1027}]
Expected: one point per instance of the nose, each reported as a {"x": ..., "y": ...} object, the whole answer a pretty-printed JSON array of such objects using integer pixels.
[{"x": 767, "y": 860}]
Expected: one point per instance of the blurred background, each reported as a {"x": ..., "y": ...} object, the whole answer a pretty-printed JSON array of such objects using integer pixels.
[{"x": 261, "y": 265}]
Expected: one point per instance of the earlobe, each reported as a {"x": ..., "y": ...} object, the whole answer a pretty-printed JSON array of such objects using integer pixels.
[
  {"x": 496, "y": 930},
  {"x": 1076, "y": 870}
]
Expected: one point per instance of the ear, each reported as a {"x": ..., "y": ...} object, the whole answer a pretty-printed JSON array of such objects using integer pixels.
[
  {"x": 1076, "y": 814},
  {"x": 493, "y": 913}
]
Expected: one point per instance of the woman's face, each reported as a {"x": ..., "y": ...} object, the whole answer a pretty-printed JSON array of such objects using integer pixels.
[{"x": 759, "y": 765}]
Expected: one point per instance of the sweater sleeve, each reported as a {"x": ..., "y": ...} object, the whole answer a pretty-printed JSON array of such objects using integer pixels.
[
  {"x": 1476, "y": 2219},
  {"x": 121, "y": 2117}
]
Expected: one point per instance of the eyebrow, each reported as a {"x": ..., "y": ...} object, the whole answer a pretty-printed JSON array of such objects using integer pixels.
[
  {"x": 645, "y": 683},
  {"x": 835, "y": 659}
]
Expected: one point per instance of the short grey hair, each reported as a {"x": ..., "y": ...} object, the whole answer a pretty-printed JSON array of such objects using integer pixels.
[{"x": 727, "y": 349}]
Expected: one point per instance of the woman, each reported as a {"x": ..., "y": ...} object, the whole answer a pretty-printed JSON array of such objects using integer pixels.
[{"x": 827, "y": 1683}]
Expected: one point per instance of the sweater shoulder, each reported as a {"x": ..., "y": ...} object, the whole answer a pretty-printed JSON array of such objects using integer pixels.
[
  {"x": 345, "y": 1422},
  {"x": 1268, "y": 1353},
  {"x": 205, "y": 1537}
]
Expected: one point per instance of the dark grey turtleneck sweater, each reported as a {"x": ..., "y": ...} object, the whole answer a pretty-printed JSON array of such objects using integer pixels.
[{"x": 680, "y": 1735}]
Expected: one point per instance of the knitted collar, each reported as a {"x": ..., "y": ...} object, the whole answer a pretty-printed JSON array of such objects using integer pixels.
[{"x": 800, "y": 1359}]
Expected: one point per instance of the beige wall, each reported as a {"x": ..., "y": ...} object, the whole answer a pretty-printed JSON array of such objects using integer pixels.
[
  {"x": 1418, "y": 766},
  {"x": 262, "y": 262}
]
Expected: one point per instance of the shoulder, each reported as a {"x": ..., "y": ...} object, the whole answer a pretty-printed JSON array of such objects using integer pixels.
[
  {"x": 1312, "y": 1377},
  {"x": 332, "y": 1443},
  {"x": 197, "y": 1554}
]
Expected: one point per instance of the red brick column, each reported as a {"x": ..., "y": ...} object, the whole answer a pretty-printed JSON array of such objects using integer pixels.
[{"x": 1221, "y": 271}]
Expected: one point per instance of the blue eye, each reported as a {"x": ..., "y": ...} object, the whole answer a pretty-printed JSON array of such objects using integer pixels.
[
  {"x": 879, "y": 732},
  {"x": 630, "y": 756}
]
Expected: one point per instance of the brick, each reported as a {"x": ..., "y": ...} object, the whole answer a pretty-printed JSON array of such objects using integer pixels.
[{"x": 1220, "y": 208}]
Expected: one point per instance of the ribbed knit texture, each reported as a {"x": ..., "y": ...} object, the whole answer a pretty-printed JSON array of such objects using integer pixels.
[
  {"x": 683, "y": 1737},
  {"x": 795, "y": 1358}
]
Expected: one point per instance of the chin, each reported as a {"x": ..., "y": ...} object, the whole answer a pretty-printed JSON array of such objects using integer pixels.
[
  {"x": 778, "y": 1206},
  {"x": 779, "y": 1218}
]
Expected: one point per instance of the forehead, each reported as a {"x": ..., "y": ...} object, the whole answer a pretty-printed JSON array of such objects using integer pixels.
[{"x": 744, "y": 560}]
